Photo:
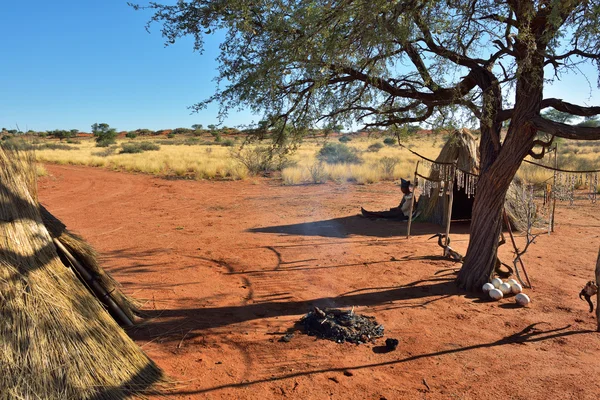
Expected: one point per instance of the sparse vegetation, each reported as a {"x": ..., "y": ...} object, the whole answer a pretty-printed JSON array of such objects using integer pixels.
[
  {"x": 375, "y": 147},
  {"x": 390, "y": 141},
  {"x": 189, "y": 156},
  {"x": 138, "y": 147},
  {"x": 338, "y": 153}
]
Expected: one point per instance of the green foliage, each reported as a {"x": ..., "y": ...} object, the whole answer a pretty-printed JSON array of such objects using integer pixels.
[
  {"x": 228, "y": 143},
  {"x": 375, "y": 147},
  {"x": 105, "y": 135},
  {"x": 62, "y": 134},
  {"x": 182, "y": 131},
  {"x": 138, "y": 147},
  {"x": 390, "y": 141},
  {"x": 345, "y": 139},
  {"x": 558, "y": 116},
  {"x": 171, "y": 135},
  {"x": 14, "y": 143},
  {"x": 338, "y": 153},
  {"x": 144, "y": 132},
  {"x": 131, "y": 135},
  {"x": 590, "y": 122},
  {"x": 99, "y": 128}
]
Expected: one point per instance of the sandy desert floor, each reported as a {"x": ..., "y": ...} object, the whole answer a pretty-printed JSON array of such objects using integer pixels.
[{"x": 227, "y": 268}]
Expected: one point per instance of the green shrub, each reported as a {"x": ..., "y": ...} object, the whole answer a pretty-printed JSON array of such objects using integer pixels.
[
  {"x": 109, "y": 151},
  {"x": 182, "y": 131},
  {"x": 105, "y": 142},
  {"x": 345, "y": 139},
  {"x": 171, "y": 135},
  {"x": 390, "y": 141},
  {"x": 338, "y": 153},
  {"x": 138, "y": 147},
  {"x": 375, "y": 147},
  {"x": 228, "y": 143},
  {"x": 131, "y": 135},
  {"x": 20, "y": 144}
]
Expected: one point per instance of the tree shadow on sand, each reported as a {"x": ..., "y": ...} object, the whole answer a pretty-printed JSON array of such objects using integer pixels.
[
  {"x": 529, "y": 334},
  {"x": 168, "y": 324},
  {"x": 344, "y": 227}
]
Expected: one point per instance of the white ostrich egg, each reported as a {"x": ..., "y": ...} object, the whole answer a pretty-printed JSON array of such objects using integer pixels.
[
  {"x": 487, "y": 287},
  {"x": 512, "y": 281},
  {"x": 495, "y": 294},
  {"x": 496, "y": 282},
  {"x": 516, "y": 288},
  {"x": 522, "y": 299},
  {"x": 505, "y": 288}
]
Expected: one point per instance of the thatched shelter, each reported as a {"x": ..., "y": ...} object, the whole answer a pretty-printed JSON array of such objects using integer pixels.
[
  {"x": 462, "y": 148},
  {"x": 57, "y": 341}
]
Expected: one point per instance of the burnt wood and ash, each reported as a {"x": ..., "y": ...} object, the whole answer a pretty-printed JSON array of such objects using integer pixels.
[{"x": 341, "y": 325}]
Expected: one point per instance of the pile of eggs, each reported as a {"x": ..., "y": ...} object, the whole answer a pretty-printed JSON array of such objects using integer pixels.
[{"x": 498, "y": 289}]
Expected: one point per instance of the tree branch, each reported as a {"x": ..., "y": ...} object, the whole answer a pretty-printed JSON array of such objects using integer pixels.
[
  {"x": 570, "y": 108},
  {"x": 566, "y": 131},
  {"x": 559, "y": 105}
]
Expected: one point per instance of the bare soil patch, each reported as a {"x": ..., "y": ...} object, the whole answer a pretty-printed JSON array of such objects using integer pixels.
[{"x": 227, "y": 268}]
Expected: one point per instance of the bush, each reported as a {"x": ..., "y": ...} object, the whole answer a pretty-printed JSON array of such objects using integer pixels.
[
  {"x": 390, "y": 141},
  {"x": 182, "y": 131},
  {"x": 109, "y": 151},
  {"x": 171, "y": 135},
  {"x": 262, "y": 159},
  {"x": 387, "y": 166},
  {"x": 139, "y": 147},
  {"x": 317, "y": 172},
  {"x": 338, "y": 153},
  {"x": 228, "y": 143},
  {"x": 345, "y": 139},
  {"x": 20, "y": 144},
  {"x": 375, "y": 147},
  {"x": 105, "y": 142},
  {"x": 131, "y": 135}
]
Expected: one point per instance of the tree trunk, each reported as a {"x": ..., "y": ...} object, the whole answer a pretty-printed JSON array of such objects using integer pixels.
[{"x": 498, "y": 166}]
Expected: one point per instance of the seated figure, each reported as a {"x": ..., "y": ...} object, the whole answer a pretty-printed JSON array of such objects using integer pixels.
[{"x": 398, "y": 213}]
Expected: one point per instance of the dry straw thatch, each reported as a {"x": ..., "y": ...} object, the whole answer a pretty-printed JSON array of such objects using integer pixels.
[
  {"x": 56, "y": 339},
  {"x": 462, "y": 147}
]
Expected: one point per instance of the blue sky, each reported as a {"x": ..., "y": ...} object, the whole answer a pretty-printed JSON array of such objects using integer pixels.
[{"x": 69, "y": 63}]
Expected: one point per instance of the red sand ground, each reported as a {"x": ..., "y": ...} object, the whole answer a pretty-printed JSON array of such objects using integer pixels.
[{"x": 228, "y": 267}]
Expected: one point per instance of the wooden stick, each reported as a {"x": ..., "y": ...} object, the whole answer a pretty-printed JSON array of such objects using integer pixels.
[
  {"x": 514, "y": 243},
  {"x": 554, "y": 189},
  {"x": 598, "y": 293},
  {"x": 449, "y": 212},
  {"x": 97, "y": 288},
  {"x": 412, "y": 201}
]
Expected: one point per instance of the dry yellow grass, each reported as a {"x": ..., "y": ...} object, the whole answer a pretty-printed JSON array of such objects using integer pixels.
[{"x": 201, "y": 161}]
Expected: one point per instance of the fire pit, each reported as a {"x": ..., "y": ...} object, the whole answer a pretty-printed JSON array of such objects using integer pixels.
[{"x": 341, "y": 326}]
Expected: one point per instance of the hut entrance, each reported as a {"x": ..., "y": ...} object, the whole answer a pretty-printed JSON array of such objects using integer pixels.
[{"x": 462, "y": 205}]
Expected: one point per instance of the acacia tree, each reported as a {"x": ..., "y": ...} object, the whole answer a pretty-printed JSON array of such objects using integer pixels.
[{"x": 387, "y": 63}]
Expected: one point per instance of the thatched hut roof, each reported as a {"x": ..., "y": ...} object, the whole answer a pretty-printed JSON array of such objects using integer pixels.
[
  {"x": 462, "y": 147},
  {"x": 56, "y": 339}
]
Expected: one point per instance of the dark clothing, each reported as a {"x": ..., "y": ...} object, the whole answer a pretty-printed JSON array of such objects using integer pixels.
[{"x": 398, "y": 213}]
